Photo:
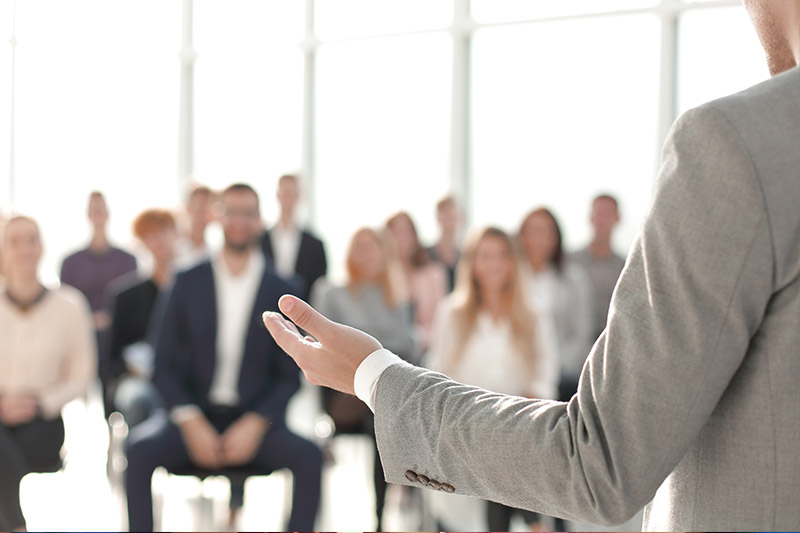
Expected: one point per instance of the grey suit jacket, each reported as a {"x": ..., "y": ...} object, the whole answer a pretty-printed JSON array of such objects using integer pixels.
[{"x": 690, "y": 399}]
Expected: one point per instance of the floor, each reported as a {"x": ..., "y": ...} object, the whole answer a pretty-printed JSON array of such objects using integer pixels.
[{"x": 86, "y": 494}]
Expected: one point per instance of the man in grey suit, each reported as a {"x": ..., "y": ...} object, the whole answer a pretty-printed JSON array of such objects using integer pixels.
[{"x": 689, "y": 402}]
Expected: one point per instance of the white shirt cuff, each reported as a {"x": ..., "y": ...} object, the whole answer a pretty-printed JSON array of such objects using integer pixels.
[
  {"x": 369, "y": 372},
  {"x": 181, "y": 413}
]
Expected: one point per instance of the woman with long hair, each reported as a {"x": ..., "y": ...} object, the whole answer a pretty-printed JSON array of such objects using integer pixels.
[
  {"x": 47, "y": 356},
  {"x": 487, "y": 335},
  {"x": 374, "y": 300},
  {"x": 426, "y": 279},
  {"x": 560, "y": 288}
]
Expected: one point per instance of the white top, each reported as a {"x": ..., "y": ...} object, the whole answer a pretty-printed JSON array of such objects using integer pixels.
[
  {"x": 490, "y": 359},
  {"x": 285, "y": 247},
  {"x": 567, "y": 299},
  {"x": 48, "y": 351},
  {"x": 236, "y": 296}
]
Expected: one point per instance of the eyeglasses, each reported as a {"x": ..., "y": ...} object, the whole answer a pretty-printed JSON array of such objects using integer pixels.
[{"x": 240, "y": 213}]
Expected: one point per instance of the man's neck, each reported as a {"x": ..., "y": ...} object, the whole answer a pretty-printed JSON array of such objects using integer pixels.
[
  {"x": 236, "y": 261},
  {"x": 600, "y": 248},
  {"x": 286, "y": 220},
  {"x": 197, "y": 236},
  {"x": 162, "y": 273},
  {"x": 447, "y": 249},
  {"x": 99, "y": 243}
]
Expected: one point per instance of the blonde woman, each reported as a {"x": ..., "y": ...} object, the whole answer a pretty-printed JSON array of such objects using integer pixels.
[
  {"x": 486, "y": 335},
  {"x": 47, "y": 357}
]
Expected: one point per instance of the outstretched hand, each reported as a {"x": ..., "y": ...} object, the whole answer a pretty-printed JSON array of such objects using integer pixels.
[{"x": 331, "y": 355}]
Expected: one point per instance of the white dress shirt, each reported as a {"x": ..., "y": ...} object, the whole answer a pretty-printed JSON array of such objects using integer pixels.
[
  {"x": 236, "y": 296},
  {"x": 491, "y": 359},
  {"x": 285, "y": 247}
]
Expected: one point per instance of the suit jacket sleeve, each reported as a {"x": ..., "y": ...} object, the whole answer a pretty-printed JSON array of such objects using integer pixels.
[{"x": 690, "y": 299}]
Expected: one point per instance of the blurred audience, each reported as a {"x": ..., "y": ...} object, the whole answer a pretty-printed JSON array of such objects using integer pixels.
[
  {"x": 224, "y": 380},
  {"x": 47, "y": 356},
  {"x": 374, "y": 300},
  {"x": 132, "y": 300},
  {"x": 426, "y": 279},
  {"x": 192, "y": 248},
  {"x": 296, "y": 254},
  {"x": 91, "y": 269},
  {"x": 200, "y": 383},
  {"x": 446, "y": 250},
  {"x": 599, "y": 260},
  {"x": 487, "y": 335}
]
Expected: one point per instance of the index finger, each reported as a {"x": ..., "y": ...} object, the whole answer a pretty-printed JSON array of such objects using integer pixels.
[{"x": 287, "y": 336}]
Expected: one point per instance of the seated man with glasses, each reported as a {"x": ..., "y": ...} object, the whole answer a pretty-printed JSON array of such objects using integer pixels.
[{"x": 224, "y": 380}]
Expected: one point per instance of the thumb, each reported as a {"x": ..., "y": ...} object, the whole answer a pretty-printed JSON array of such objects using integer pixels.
[{"x": 305, "y": 316}]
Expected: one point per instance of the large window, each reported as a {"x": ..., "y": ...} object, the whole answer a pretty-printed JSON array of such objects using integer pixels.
[
  {"x": 381, "y": 105},
  {"x": 337, "y": 19},
  {"x": 6, "y": 33},
  {"x": 710, "y": 68},
  {"x": 382, "y": 140},
  {"x": 96, "y": 108},
  {"x": 248, "y": 93},
  {"x": 489, "y": 11},
  {"x": 563, "y": 111}
]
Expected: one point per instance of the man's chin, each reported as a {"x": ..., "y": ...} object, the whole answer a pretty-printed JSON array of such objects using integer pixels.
[{"x": 239, "y": 248}]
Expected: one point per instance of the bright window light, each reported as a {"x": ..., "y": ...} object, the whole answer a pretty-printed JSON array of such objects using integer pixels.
[
  {"x": 6, "y": 16},
  {"x": 563, "y": 111},
  {"x": 711, "y": 68},
  {"x": 490, "y": 11},
  {"x": 96, "y": 108},
  {"x": 336, "y": 19},
  {"x": 382, "y": 140},
  {"x": 248, "y": 94}
]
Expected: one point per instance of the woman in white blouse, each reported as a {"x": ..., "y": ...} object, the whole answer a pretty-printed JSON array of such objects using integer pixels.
[
  {"x": 486, "y": 334},
  {"x": 47, "y": 357}
]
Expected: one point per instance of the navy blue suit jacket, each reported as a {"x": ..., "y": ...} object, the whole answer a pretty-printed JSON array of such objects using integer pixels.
[{"x": 186, "y": 350}]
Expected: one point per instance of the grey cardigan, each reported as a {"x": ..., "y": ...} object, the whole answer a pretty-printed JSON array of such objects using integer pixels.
[{"x": 691, "y": 398}]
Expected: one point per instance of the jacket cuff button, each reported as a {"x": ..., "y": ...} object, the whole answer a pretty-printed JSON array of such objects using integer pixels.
[{"x": 411, "y": 476}]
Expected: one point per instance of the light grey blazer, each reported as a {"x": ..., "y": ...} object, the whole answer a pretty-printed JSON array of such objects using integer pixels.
[{"x": 690, "y": 400}]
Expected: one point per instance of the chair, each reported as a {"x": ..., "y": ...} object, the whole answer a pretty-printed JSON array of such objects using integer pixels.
[{"x": 237, "y": 476}]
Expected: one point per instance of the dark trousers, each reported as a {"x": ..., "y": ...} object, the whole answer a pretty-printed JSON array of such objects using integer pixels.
[
  {"x": 32, "y": 447},
  {"x": 158, "y": 442}
]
